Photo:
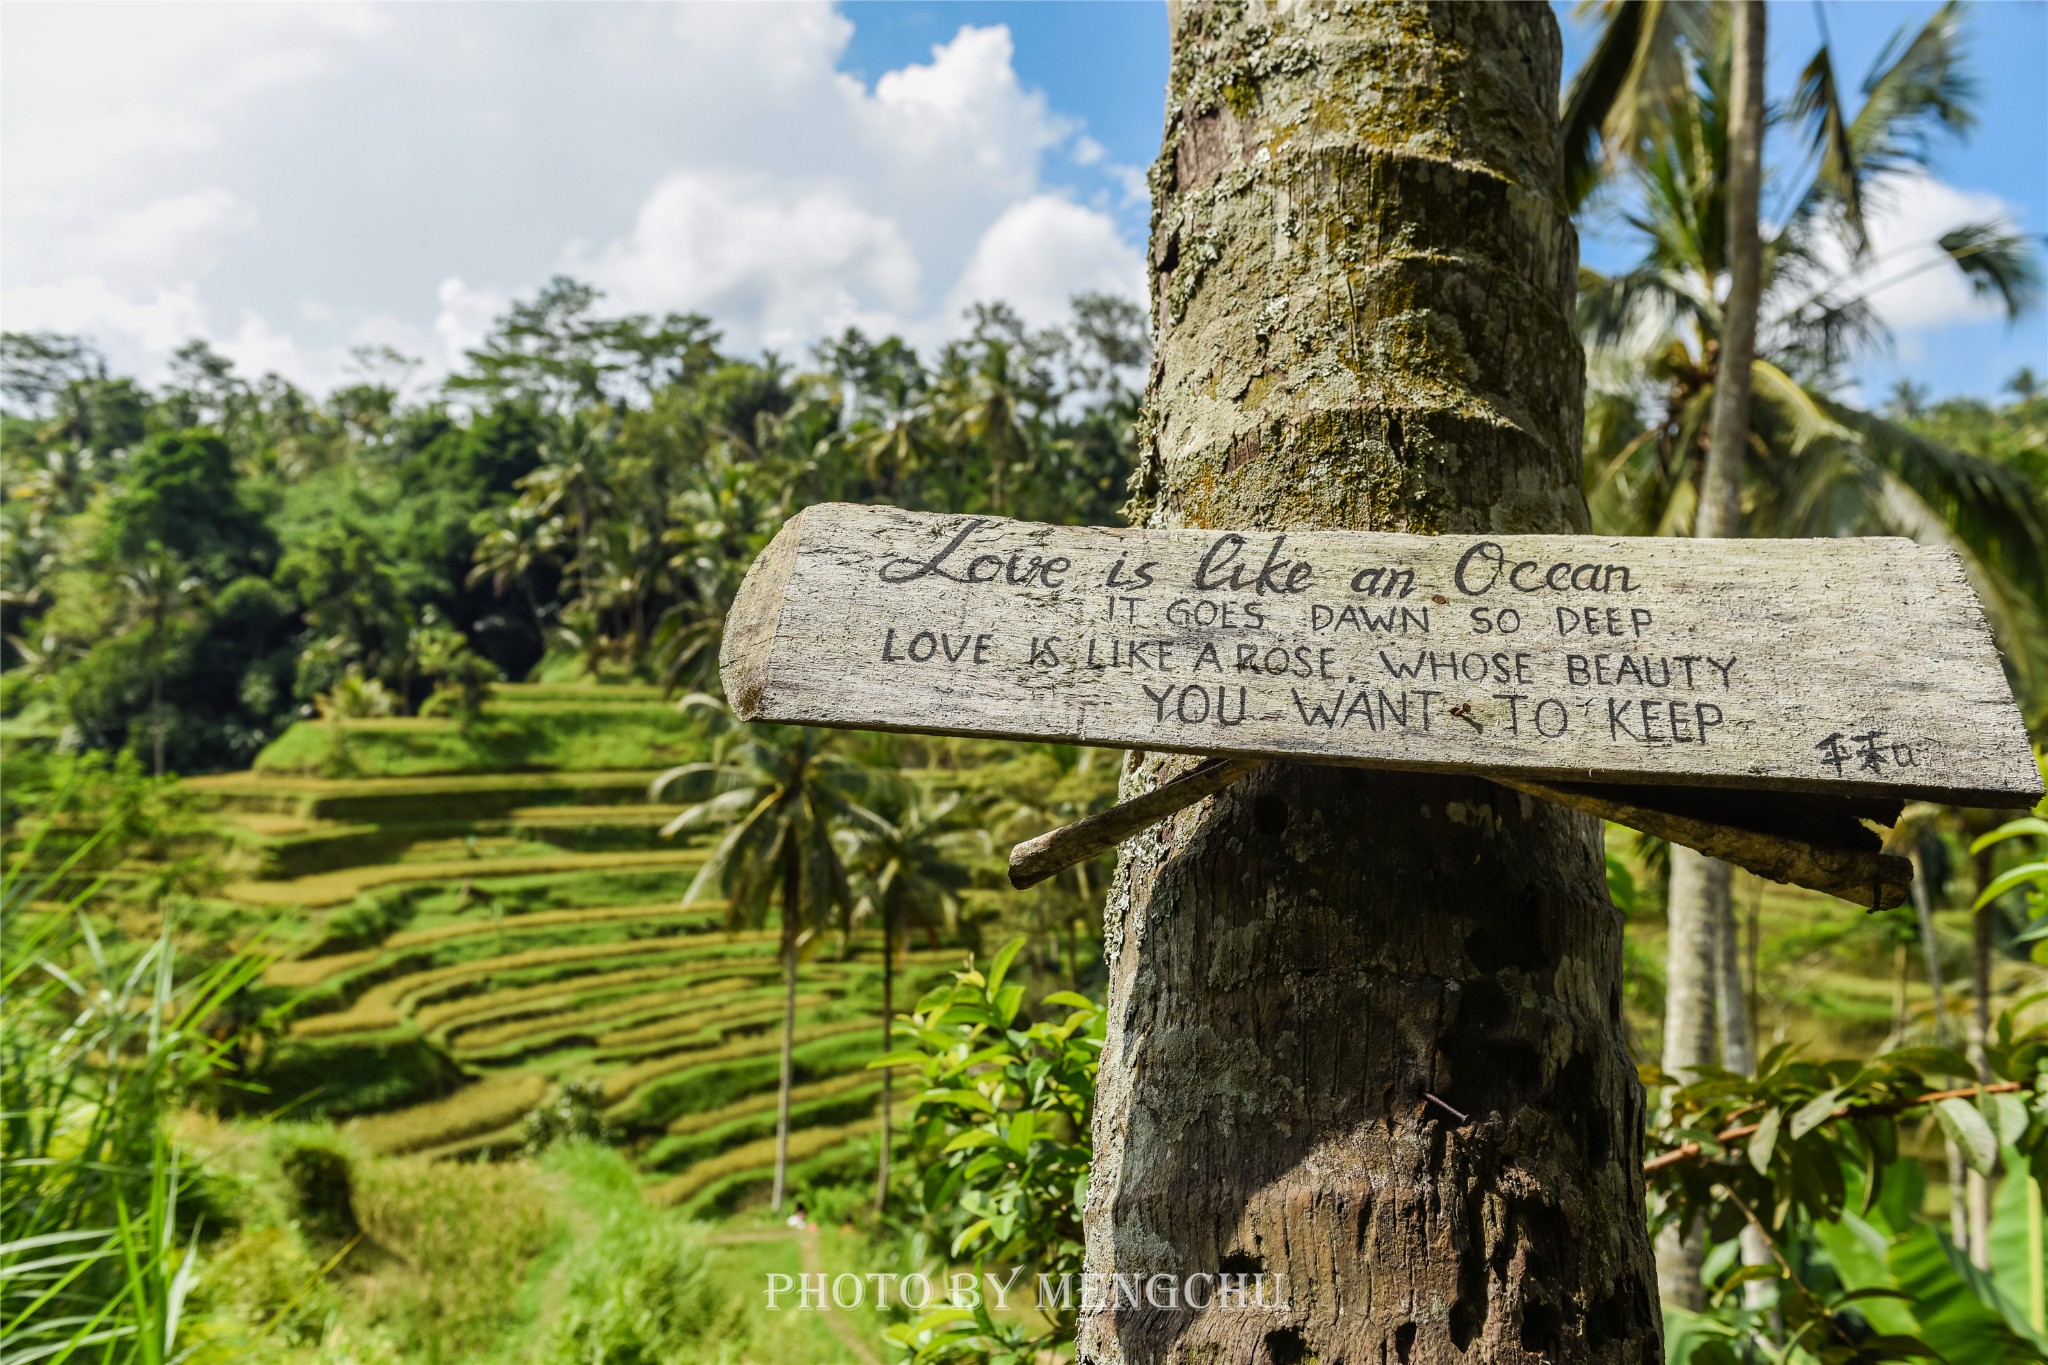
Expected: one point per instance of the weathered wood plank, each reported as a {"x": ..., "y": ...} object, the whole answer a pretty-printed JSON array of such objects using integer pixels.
[{"x": 1855, "y": 668}]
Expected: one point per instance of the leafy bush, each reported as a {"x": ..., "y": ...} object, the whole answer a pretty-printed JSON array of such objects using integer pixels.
[
  {"x": 1001, "y": 1132},
  {"x": 317, "y": 1167},
  {"x": 572, "y": 1114},
  {"x": 642, "y": 1294},
  {"x": 1809, "y": 1154}
]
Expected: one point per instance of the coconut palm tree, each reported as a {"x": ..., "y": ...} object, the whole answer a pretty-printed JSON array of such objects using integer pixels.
[
  {"x": 1787, "y": 457},
  {"x": 983, "y": 406},
  {"x": 716, "y": 526},
  {"x": 1814, "y": 464},
  {"x": 158, "y": 590},
  {"x": 779, "y": 794},
  {"x": 513, "y": 543},
  {"x": 1054, "y": 790},
  {"x": 912, "y": 865}
]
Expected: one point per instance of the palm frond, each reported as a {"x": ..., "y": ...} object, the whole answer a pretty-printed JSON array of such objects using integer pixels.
[
  {"x": 1997, "y": 261},
  {"x": 1639, "y": 65},
  {"x": 1994, "y": 508},
  {"x": 1806, "y": 420},
  {"x": 1818, "y": 104},
  {"x": 1916, "y": 87}
]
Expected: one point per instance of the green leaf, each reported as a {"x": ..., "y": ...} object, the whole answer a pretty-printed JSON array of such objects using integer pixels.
[
  {"x": 1970, "y": 1133},
  {"x": 900, "y": 1057},
  {"x": 977, "y": 1137},
  {"x": 1939, "y": 1061},
  {"x": 1000, "y": 967},
  {"x": 1072, "y": 1000},
  {"x": 1815, "y": 1111},
  {"x": 2026, "y": 874},
  {"x": 2012, "y": 829},
  {"x": 2008, "y": 1117},
  {"x": 1764, "y": 1140},
  {"x": 1746, "y": 1274}
]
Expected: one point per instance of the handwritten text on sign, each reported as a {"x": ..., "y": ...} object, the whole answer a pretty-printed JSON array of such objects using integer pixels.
[{"x": 1845, "y": 665}]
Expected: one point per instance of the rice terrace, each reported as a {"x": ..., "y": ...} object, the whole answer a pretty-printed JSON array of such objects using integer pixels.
[{"x": 453, "y": 973}]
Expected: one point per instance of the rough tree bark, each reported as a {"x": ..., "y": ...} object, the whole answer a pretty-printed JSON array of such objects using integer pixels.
[{"x": 1365, "y": 1029}]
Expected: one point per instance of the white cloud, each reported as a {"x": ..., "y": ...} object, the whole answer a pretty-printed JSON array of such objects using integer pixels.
[
  {"x": 138, "y": 331},
  {"x": 791, "y": 262},
  {"x": 1042, "y": 252},
  {"x": 96, "y": 94},
  {"x": 179, "y": 236},
  {"x": 291, "y": 181},
  {"x": 462, "y": 321},
  {"x": 1917, "y": 287}
]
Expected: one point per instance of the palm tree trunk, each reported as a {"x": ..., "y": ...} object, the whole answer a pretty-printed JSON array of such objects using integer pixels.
[
  {"x": 888, "y": 1045},
  {"x": 790, "y": 891},
  {"x": 1385, "y": 1070},
  {"x": 1720, "y": 512},
  {"x": 1977, "y": 1186},
  {"x": 1897, "y": 1037},
  {"x": 1689, "y": 1015},
  {"x": 156, "y": 687},
  {"x": 1720, "y": 509},
  {"x": 1738, "y": 1042},
  {"x": 1958, "y": 1187}
]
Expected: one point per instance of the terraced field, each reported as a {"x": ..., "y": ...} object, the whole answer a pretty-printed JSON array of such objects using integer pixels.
[{"x": 462, "y": 945}]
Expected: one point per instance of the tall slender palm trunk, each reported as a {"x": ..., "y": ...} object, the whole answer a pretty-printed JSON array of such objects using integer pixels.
[
  {"x": 1709, "y": 897},
  {"x": 1364, "y": 1033},
  {"x": 156, "y": 701},
  {"x": 791, "y": 891},
  {"x": 1720, "y": 511},
  {"x": 1977, "y": 1186},
  {"x": 1690, "y": 988},
  {"x": 1958, "y": 1185},
  {"x": 888, "y": 1046}
]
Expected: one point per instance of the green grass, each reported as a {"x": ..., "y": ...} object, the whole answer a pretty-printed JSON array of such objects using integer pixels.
[
  {"x": 345, "y": 884},
  {"x": 556, "y": 736},
  {"x": 847, "y": 1098},
  {"x": 415, "y": 799},
  {"x": 654, "y": 1097}
]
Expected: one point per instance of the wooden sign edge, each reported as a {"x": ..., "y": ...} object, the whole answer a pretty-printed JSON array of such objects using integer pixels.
[{"x": 745, "y": 658}]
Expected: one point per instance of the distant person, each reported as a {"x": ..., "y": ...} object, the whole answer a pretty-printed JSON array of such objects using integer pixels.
[{"x": 801, "y": 1218}]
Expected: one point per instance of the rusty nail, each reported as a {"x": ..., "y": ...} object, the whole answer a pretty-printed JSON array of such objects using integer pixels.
[{"x": 1459, "y": 1115}]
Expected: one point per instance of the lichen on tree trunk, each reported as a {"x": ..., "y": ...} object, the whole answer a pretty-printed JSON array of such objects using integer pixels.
[{"x": 1363, "y": 277}]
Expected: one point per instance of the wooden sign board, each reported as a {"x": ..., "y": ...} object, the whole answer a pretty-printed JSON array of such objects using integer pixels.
[{"x": 1851, "y": 667}]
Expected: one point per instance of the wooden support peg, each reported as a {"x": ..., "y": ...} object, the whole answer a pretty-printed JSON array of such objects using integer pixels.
[{"x": 1052, "y": 853}]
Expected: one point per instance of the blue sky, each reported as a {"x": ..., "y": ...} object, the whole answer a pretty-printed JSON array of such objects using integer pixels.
[
  {"x": 294, "y": 181},
  {"x": 1106, "y": 62}
]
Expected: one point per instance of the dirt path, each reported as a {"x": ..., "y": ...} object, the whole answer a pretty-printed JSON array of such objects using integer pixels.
[
  {"x": 849, "y": 1336},
  {"x": 811, "y": 1262}
]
